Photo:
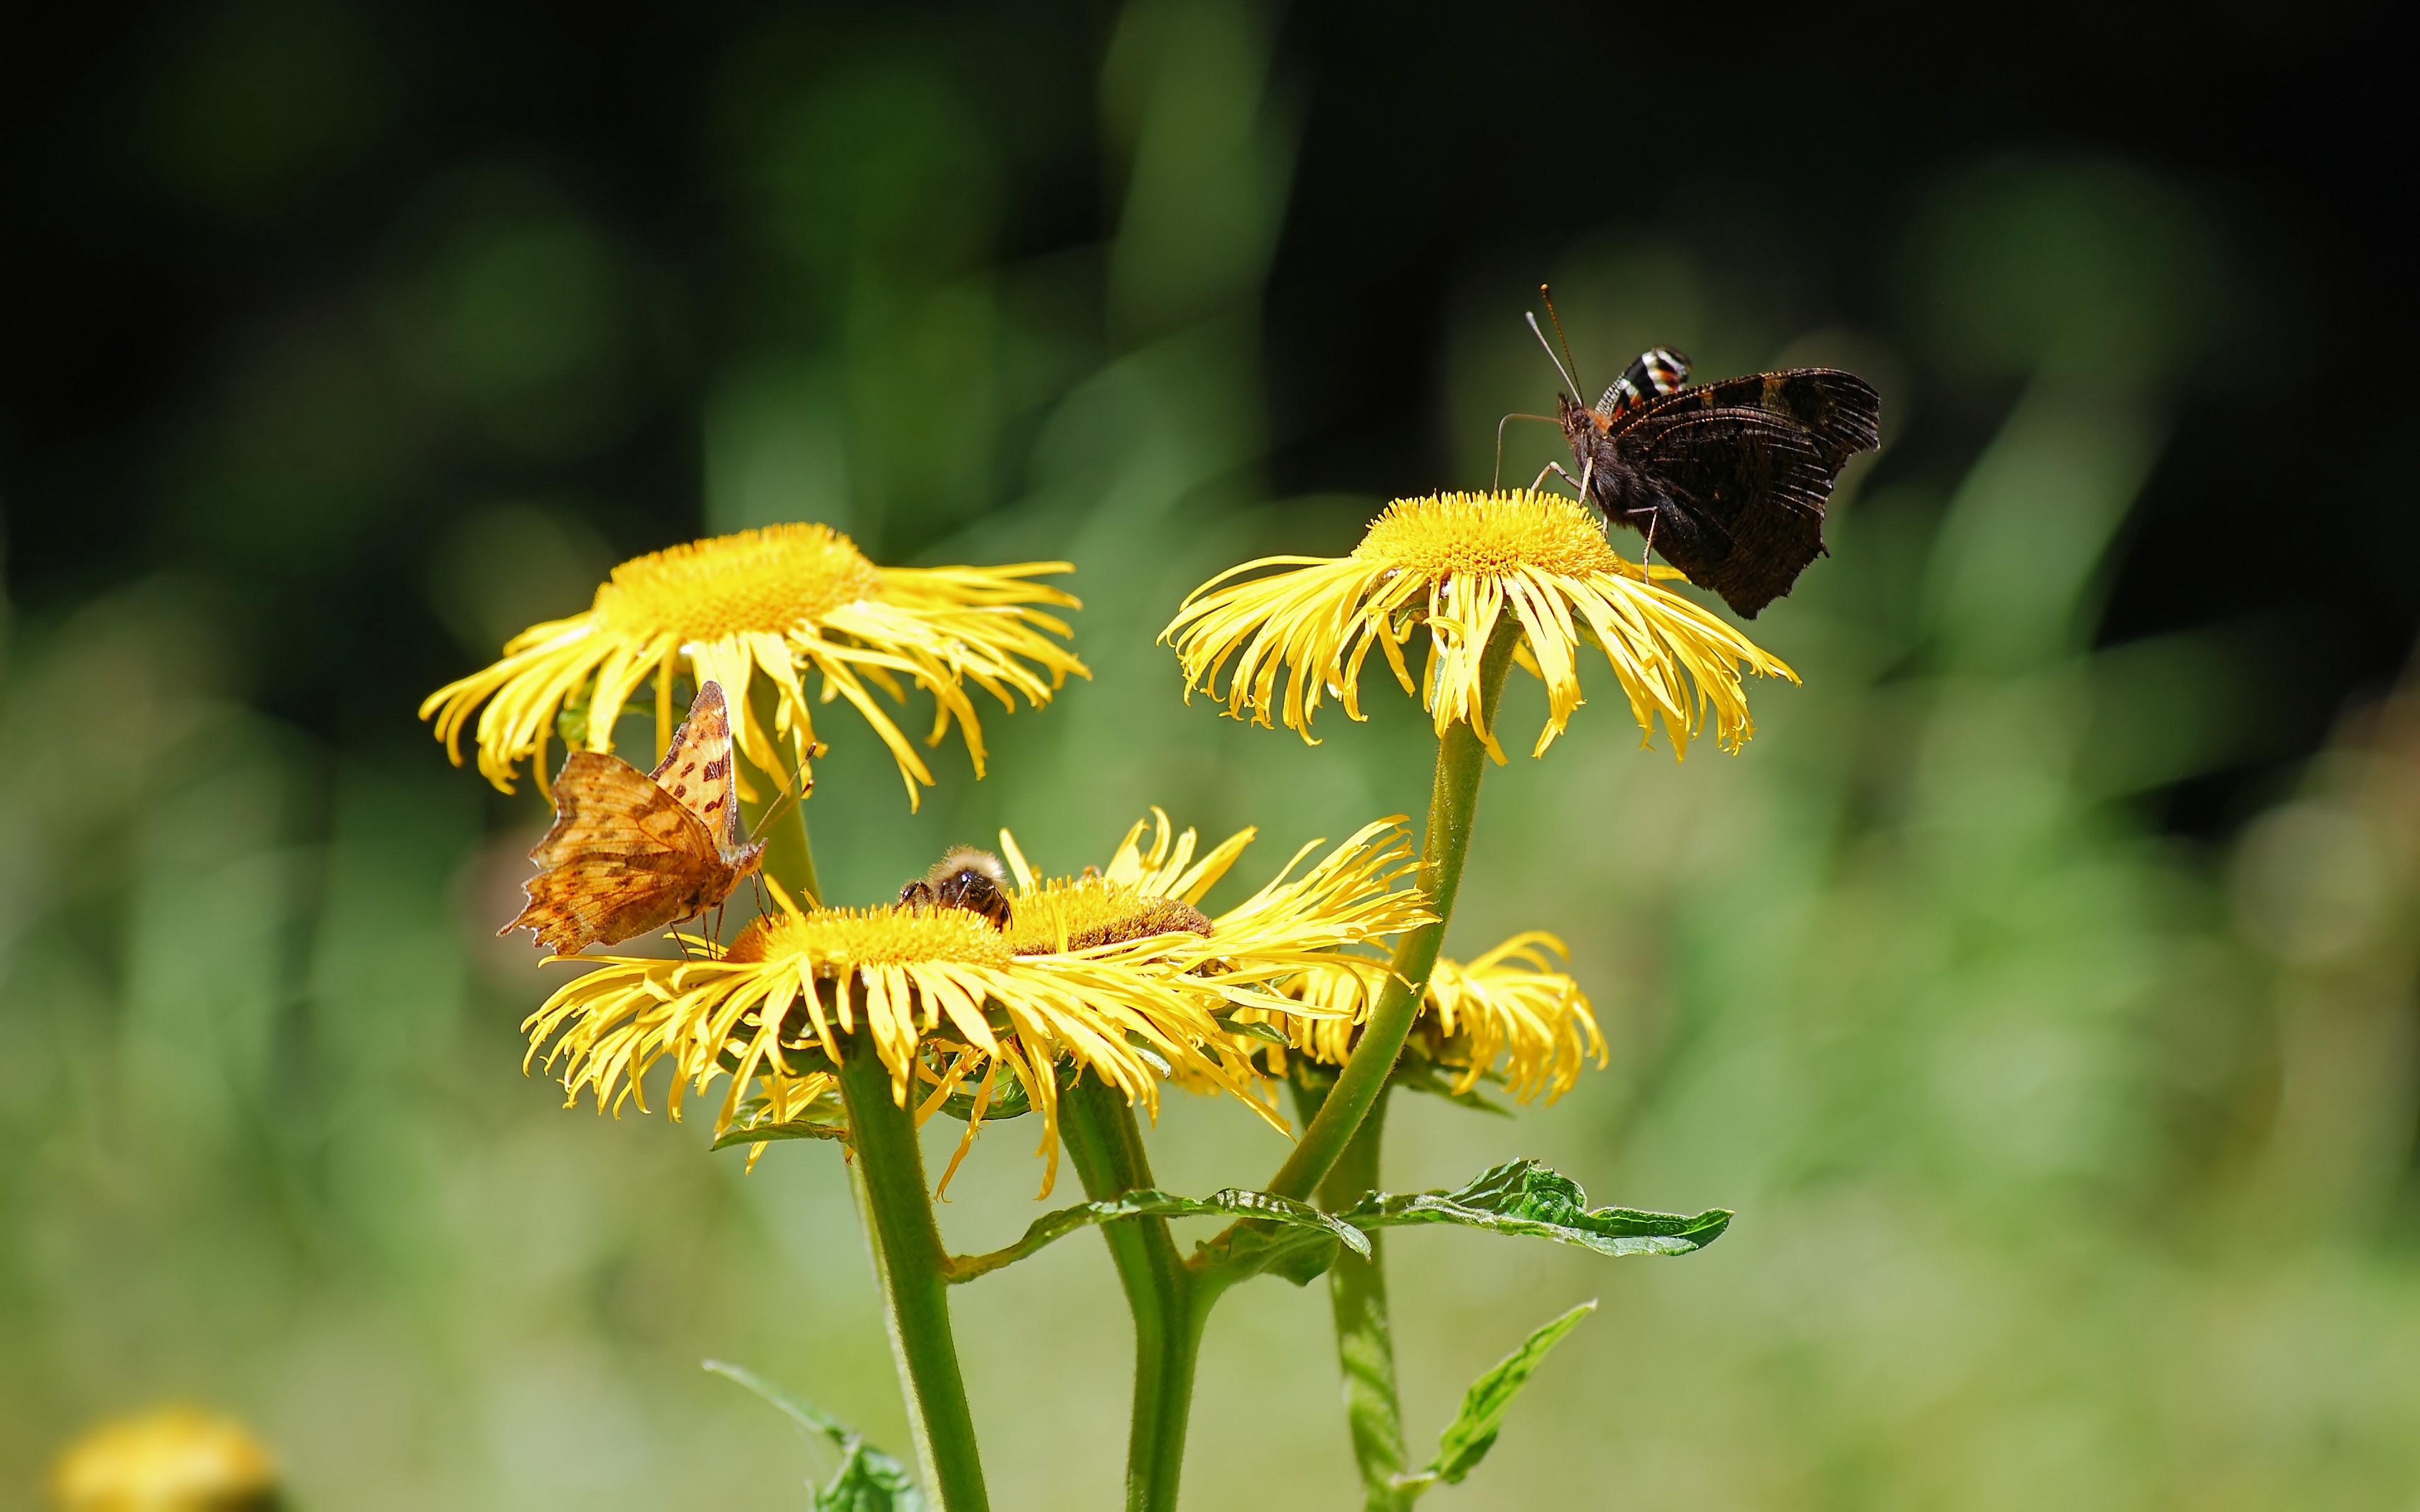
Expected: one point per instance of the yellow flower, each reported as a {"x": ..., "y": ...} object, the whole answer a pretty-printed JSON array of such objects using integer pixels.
[
  {"x": 1458, "y": 562},
  {"x": 174, "y": 1459},
  {"x": 1116, "y": 973},
  {"x": 784, "y": 600},
  {"x": 1508, "y": 1013}
]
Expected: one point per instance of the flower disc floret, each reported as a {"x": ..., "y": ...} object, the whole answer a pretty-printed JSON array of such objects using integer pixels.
[
  {"x": 756, "y": 582},
  {"x": 848, "y": 939},
  {"x": 1460, "y": 564},
  {"x": 778, "y": 604},
  {"x": 1449, "y": 535}
]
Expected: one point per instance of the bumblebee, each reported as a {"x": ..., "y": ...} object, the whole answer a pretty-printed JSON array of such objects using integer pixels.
[{"x": 965, "y": 878}]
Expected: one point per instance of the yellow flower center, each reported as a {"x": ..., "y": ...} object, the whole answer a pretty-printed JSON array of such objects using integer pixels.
[
  {"x": 1481, "y": 534},
  {"x": 765, "y": 581},
  {"x": 838, "y": 938},
  {"x": 1082, "y": 913}
]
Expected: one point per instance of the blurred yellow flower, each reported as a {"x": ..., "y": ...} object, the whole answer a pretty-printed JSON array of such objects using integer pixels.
[
  {"x": 1117, "y": 973},
  {"x": 784, "y": 600},
  {"x": 1458, "y": 562},
  {"x": 174, "y": 1459},
  {"x": 1510, "y": 1014}
]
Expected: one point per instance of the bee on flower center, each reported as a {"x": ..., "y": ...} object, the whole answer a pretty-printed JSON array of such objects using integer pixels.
[{"x": 965, "y": 878}]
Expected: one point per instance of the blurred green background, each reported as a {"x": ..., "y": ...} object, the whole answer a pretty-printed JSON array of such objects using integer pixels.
[{"x": 2038, "y": 985}]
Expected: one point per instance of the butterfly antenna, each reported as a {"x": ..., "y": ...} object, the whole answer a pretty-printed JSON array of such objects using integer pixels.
[
  {"x": 790, "y": 795},
  {"x": 1498, "y": 480},
  {"x": 1571, "y": 364},
  {"x": 1538, "y": 330}
]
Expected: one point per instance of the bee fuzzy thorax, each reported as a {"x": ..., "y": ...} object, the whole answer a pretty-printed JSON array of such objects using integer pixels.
[{"x": 965, "y": 878}]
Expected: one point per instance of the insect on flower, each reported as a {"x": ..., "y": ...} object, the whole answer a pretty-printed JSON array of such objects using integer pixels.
[
  {"x": 635, "y": 851},
  {"x": 1726, "y": 479},
  {"x": 965, "y": 878}
]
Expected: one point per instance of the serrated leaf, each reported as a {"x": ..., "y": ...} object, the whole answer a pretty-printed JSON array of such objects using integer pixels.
[
  {"x": 868, "y": 1480},
  {"x": 1525, "y": 1197},
  {"x": 1145, "y": 1202},
  {"x": 1466, "y": 1440}
]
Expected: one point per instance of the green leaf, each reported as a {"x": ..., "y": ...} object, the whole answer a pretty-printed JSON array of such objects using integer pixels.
[
  {"x": 1008, "y": 1099},
  {"x": 1524, "y": 1196},
  {"x": 1254, "y": 1029},
  {"x": 821, "y": 1120},
  {"x": 1466, "y": 1440},
  {"x": 1301, "y": 1255},
  {"x": 1145, "y": 1202},
  {"x": 571, "y": 721},
  {"x": 868, "y": 1480}
]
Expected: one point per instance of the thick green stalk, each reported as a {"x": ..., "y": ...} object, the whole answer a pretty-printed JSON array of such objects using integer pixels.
[
  {"x": 789, "y": 859},
  {"x": 1105, "y": 1145},
  {"x": 1453, "y": 804},
  {"x": 913, "y": 1267},
  {"x": 1357, "y": 1300}
]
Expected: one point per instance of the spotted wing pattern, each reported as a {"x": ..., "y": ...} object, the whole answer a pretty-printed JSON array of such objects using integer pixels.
[
  {"x": 627, "y": 854},
  {"x": 1735, "y": 474},
  {"x": 696, "y": 768}
]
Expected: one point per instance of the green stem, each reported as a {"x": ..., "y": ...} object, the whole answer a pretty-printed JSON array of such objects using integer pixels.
[
  {"x": 789, "y": 859},
  {"x": 1357, "y": 1300},
  {"x": 1104, "y": 1143},
  {"x": 913, "y": 1268},
  {"x": 1453, "y": 804}
]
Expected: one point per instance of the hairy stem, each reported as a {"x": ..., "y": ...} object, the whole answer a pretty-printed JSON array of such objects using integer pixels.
[
  {"x": 914, "y": 1268},
  {"x": 1104, "y": 1143},
  {"x": 1453, "y": 804}
]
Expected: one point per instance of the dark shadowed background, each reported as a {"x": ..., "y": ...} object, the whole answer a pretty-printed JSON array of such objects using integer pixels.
[{"x": 2039, "y": 984}]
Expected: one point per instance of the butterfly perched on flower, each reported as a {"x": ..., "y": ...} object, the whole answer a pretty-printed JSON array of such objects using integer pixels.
[
  {"x": 634, "y": 851},
  {"x": 1728, "y": 480}
]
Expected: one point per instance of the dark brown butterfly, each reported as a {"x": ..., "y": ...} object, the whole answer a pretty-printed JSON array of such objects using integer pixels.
[
  {"x": 1728, "y": 480},
  {"x": 634, "y": 851}
]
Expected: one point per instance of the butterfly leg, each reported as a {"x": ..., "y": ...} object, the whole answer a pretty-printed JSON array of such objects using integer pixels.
[
  {"x": 1643, "y": 574},
  {"x": 1556, "y": 468}
]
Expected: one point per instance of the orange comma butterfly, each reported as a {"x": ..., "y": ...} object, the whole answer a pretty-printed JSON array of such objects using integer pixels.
[{"x": 632, "y": 851}]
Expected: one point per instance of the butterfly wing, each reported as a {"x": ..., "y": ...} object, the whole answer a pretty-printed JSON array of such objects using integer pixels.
[
  {"x": 1838, "y": 413},
  {"x": 1654, "y": 373},
  {"x": 696, "y": 768},
  {"x": 1751, "y": 461},
  {"x": 623, "y": 857}
]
